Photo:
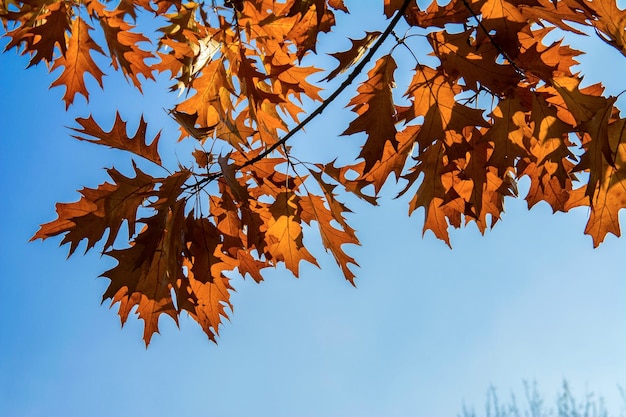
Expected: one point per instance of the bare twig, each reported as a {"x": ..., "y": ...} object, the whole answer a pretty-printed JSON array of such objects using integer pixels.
[{"x": 355, "y": 73}]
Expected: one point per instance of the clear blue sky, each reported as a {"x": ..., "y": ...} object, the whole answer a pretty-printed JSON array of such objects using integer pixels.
[{"x": 427, "y": 329}]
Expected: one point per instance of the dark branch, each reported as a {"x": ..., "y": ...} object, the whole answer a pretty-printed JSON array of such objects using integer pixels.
[{"x": 355, "y": 73}]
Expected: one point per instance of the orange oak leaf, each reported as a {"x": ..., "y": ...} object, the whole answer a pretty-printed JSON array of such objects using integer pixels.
[
  {"x": 546, "y": 187},
  {"x": 342, "y": 176},
  {"x": 338, "y": 5},
  {"x": 188, "y": 127},
  {"x": 314, "y": 19},
  {"x": 508, "y": 133},
  {"x": 556, "y": 13},
  {"x": 455, "y": 11},
  {"x": 202, "y": 290},
  {"x": 210, "y": 87},
  {"x": 226, "y": 216},
  {"x": 599, "y": 151},
  {"x": 284, "y": 242},
  {"x": 375, "y": 109},
  {"x": 611, "y": 22},
  {"x": 583, "y": 104},
  {"x": 253, "y": 82},
  {"x": 545, "y": 61},
  {"x": 251, "y": 266},
  {"x": 609, "y": 196},
  {"x": 77, "y": 62},
  {"x": 431, "y": 192},
  {"x": 391, "y": 6},
  {"x": 205, "y": 301},
  {"x": 332, "y": 237},
  {"x": 275, "y": 25},
  {"x": 478, "y": 64},
  {"x": 393, "y": 161},
  {"x": 124, "y": 47},
  {"x": 293, "y": 81},
  {"x": 148, "y": 270},
  {"x": 118, "y": 138},
  {"x": 39, "y": 26},
  {"x": 100, "y": 209},
  {"x": 351, "y": 56},
  {"x": 550, "y": 146},
  {"x": 433, "y": 96},
  {"x": 502, "y": 21}
]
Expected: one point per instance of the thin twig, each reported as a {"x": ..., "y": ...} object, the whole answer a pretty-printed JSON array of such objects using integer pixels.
[{"x": 355, "y": 72}]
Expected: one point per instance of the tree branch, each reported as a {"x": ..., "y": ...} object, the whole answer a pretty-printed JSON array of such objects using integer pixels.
[{"x": 355, "y": 73}]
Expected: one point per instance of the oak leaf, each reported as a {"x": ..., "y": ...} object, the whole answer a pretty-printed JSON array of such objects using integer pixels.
[
  {"x": 77, "y": 62},
  {"x": 351, "y": 56},
  {"x": 118, "y": 137},
  {"x": 390, "y": 7},
  {"x": 375, "y": 109},
  {"x": 609, "y": 195},
  {"x": 611, "y": 22},
  {"x": 333, "y": 238},
  {"x": 508, "y": 133},
  {"x": 147, "y": 271},
  {"x": 100, "y": 209},
  {"x": 40, "y": 27},
  {"x": 284, "y": 243},
  {"x": 123, "y": 46}
]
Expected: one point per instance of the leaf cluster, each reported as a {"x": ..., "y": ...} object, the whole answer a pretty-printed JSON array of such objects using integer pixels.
[{"x": 501, "y": 103}]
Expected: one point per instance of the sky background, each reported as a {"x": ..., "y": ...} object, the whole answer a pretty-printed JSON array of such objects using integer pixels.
[{"x": 427, "y": 330}]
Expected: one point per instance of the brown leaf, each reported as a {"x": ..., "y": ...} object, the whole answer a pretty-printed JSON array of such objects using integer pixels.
[
  {"x": 503, "y": 21},
  {"x": 148, "y": 270},
  {"x": 355, "y": 186},
  {"x": 507, "y": 133},
  {"x": 610, "y": 194},
  {"x": 251, "y": 266},
  {"x": 284, "y": 243},
  {"x": 47, "y": 32},
  {"x": 556, "y": 13},
  {"x": 313, "y": 20},
  {"x": 338, "y": 5},
  {"x": 391, "y": 6},
  {"x": 455, "y": 11},
  {"x": 117, "y": 137},
  {"x": 205, "y": 301},
  {"x": 124, "y": 47},
  {"x": 351, "y": 56},
  {"x": 611, "y": 21},
  {"x": 99, "y": 209},
  {"x": 582, "y": 105},
  {"x": 599, "y": 152},
  {"x": 431, "y": 192},
  {"x": 433, "y": 96},
  {"x": 393, "y": 160},
  {"x": 376, "y": 111},
  {"x": 206, "y": 102},
  {"x": 477, "y": 64},
  {"x": 551, "y": 148},
  {"x": 332, "y": 237},
  {"x": 77, "y": 62},
  {"x": 283, "y": 235}
]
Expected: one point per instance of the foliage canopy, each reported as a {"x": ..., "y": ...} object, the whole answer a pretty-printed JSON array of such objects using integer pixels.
[{"x": 501, "y": 103}]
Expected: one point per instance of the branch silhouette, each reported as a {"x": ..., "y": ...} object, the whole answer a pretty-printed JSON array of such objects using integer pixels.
[{"x": 356, "y": 71}]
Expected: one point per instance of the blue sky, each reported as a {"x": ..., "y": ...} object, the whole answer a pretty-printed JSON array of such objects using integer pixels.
[{"x": 427, "y": 330}]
